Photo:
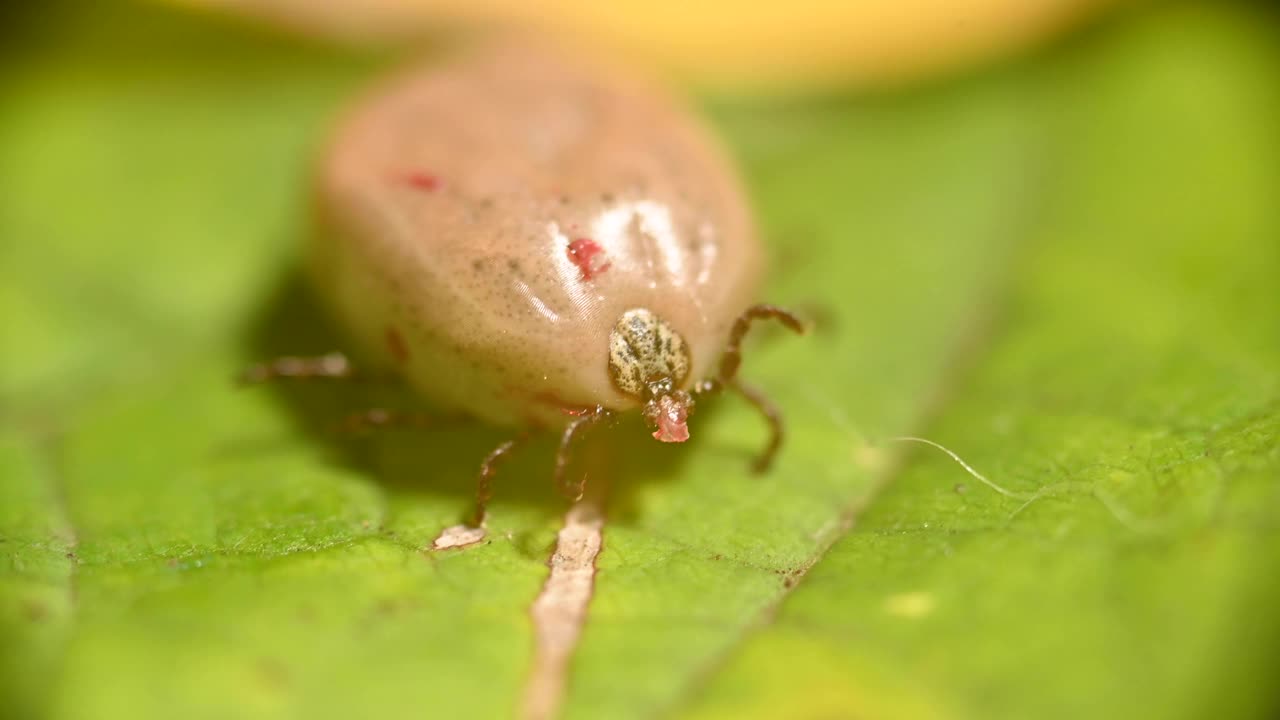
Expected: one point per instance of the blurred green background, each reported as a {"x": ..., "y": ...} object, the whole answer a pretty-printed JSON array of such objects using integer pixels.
[{"x": 1064, "y": 266}]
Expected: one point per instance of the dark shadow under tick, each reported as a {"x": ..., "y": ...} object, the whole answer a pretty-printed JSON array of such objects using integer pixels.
[{"x": 421, "y": 459}]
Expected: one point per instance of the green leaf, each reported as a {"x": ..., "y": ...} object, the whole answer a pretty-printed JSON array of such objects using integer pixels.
[{"x": 1065, "y": 270}]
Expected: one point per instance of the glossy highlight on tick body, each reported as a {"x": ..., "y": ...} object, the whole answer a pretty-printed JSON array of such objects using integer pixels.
[{"x": 540, "y": 243}]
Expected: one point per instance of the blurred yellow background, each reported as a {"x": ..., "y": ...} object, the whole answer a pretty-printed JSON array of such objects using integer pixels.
[{"x": 766, "y": 46}]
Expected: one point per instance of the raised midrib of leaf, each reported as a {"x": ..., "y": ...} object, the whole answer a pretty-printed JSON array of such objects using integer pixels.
[{"x": 1093, "y": 229}]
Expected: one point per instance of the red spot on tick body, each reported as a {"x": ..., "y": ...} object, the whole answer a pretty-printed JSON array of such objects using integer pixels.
[
  {"x": 424, "y": 181},
  {"x": 588, "y": 256},
  {"x": 396, "y": 346}
]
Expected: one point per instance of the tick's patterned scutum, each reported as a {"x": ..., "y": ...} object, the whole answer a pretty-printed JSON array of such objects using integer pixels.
[
  {"x": 530, "y": 152},
  {"x": 643, "y": 349}
]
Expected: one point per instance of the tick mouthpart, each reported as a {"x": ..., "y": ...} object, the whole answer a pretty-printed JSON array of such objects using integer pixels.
[{"x": 669, "y": 414}]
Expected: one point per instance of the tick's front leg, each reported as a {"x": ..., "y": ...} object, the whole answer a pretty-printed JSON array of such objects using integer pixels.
[
  {"x": 772, "y": 415},
  {"x": 731, "y": 361},
  {"x": 761, "y": 402}
]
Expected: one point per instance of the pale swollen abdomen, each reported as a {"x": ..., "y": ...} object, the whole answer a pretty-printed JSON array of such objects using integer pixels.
[{"x": 484, "y": 224}]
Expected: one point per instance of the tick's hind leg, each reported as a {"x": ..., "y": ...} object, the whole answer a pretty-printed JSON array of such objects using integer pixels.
[
  {"x": 332, "y": 366},
  {"x": 728, "y": 377},
  {"x": 489, "y": 468},
  {"x": 568, "y": 440},
  {"x": 379, "y": 419}
]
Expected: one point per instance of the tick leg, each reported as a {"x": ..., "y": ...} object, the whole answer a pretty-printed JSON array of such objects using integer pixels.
[
  {"x": 771, "y": 415},
  {"x": 568, "y": 439},
  {"x": 331, "y": 366},
  {"x": 732, "y": 358},
  {"x": 489, "y": 468},
  {"x": 728, "y": 377}
]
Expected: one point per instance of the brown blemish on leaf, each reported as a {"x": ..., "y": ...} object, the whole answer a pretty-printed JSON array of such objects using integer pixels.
[
  {"x": 396, "y": 345},
  {"x": 273, "y": 674},
  {"x": 36, "y": 611}
]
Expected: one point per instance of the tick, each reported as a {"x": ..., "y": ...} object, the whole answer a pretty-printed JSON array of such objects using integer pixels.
[{"x": 583, "y": 249}]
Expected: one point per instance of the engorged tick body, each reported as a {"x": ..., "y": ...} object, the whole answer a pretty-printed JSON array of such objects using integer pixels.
[{"x": 539, "y": 244}]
